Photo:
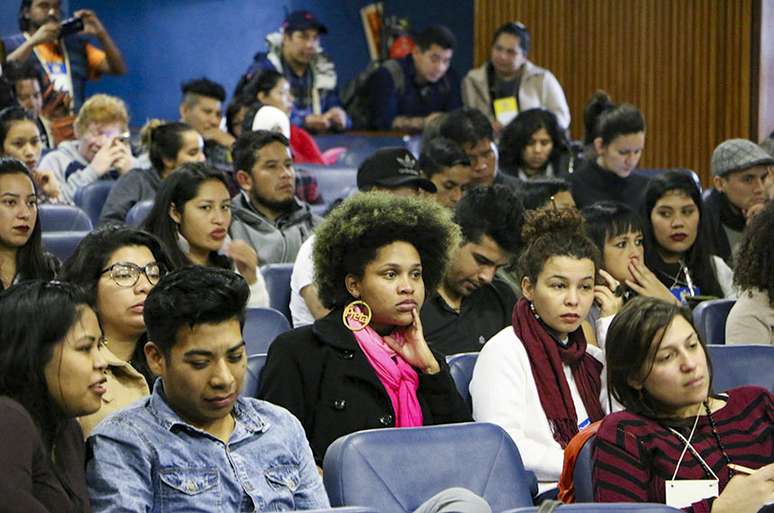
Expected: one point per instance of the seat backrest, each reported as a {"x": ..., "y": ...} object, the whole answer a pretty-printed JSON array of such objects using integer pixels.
[
  {"x": 581, "y": 475},
  {"x": 738, "y": 365},
  {"x": 63, "y": 218},
  {"x": 252, "y": 382},
  {"x": 461, "y": 370},
  {"x": 277, "y": 278},
  {"x": 611, "y": 507},
  {"x": 262, "y": 326},
  {"x": 91, "y": 198},
  {"x": 62, "y": 244},
  {"x": 332, "y": 182},
  {"x": 137, "y": 214},
  {"x": 709, "y": 317},
  {"x": 395, "y": 470}
]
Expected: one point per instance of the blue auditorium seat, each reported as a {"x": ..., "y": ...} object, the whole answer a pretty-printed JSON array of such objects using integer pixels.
[
  {"x": 91, "y": 198},
  {"x": 138, "y": 213},
  {"x": 63, "y": 218},
  {"x": 62, "y": 244},
  {"x": 581, "y": 476},
  {"x": 395, "y": 470},
  {"x": 333, "y": 182},
  {"x": 461, "y": 370},
  {"x": 262, "y": 326},
  {"x": 738, "y": 365},
  {"x": 277, "y": 278},
  {"x": 252, "y": 383},
  {"x": 709, "y": 317},
  {"x": 610, "y": 507}
]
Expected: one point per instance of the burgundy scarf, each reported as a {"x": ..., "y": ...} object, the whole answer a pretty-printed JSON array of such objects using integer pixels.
[{"x": 546, "y": 357}]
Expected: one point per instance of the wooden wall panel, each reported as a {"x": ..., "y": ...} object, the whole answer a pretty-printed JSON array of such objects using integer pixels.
[{"x": 686, "y": 64}]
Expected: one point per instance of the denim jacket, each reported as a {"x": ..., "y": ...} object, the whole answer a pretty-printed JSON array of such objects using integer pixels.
[{"x": 147, "y": 459}]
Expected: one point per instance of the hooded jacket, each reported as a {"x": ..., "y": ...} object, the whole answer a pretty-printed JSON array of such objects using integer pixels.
[
  {"x": 275, "y": 242},
  {"x": 135, "y": 186}
]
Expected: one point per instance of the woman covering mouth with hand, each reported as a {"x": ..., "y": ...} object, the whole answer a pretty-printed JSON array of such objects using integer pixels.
[
  {"x": 51, "y": 371},
  {"x": 539, "y": 379}
]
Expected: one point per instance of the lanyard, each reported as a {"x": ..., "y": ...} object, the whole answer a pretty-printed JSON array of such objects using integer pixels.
[
  {"x": 66, "y": 56},
  {"x": 693, "y": 451}
]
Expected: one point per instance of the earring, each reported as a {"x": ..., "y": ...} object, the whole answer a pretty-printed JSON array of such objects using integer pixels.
[
  {"x": 534, "y": 312},
  {"x": 357, "y": 315}
]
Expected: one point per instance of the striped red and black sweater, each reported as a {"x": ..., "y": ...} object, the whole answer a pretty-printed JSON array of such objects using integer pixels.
[{"x": 634, "y": 455}]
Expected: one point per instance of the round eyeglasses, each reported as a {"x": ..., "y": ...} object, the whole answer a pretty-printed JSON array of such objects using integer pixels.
[{"x": 127, "y": 274}]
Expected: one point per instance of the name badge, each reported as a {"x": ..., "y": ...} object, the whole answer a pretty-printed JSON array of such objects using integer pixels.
[
  {"x": 584, "y": 424},
  {"x": 506, "y": 109},
  {"x": 681, "y": 293},
  {"x": 684, "y": 492}
]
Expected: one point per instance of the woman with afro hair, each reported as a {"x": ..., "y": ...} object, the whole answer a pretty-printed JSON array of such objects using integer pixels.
[{"x": 366, "y": 364}]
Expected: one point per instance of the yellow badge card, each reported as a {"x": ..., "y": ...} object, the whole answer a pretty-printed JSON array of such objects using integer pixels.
[{"x": 506, "y": 109}]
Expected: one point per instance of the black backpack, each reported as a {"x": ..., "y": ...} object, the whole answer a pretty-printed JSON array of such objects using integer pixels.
[{"x": 355, "y": 99}]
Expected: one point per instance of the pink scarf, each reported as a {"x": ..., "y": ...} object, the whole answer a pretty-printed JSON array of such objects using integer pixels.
[{"x": 398, "y": 377}]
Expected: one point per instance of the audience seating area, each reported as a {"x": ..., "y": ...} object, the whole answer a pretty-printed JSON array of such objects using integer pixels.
[
  {"x": 277, "y": 278},
  {"x": 92, "y": 198},
  {"x": 63, "y": 218},
  {"x": 262, "y": 326},
  {"x": 709, "y": 317}
]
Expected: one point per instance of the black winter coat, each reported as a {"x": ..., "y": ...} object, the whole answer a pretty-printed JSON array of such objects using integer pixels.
[{"x": 320, "y": 374}]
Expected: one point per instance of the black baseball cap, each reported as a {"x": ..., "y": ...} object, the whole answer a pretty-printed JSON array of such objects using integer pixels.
[
  {"x": 302, "y": 20},
  {"x": 392, "y": 167}
]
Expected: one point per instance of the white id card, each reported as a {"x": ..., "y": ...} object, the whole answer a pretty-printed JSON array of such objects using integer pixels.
[{"x": 681, "y": 493}]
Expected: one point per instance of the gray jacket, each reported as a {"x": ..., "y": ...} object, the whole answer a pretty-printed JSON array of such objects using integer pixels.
[
  {"x": 275, "y": 242},
  {"x": 135, "y": 186},
  {"x": 538, "y": 88}
]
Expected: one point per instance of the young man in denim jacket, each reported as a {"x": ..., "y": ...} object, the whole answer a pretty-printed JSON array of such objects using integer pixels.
[{"x": 194, "y": 444}]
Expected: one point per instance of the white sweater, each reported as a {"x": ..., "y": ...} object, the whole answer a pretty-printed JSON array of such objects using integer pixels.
[{"x": 504, "y": 393}]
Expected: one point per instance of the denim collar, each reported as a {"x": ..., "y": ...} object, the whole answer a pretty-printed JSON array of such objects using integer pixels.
[{"x": 245, "y": 414}]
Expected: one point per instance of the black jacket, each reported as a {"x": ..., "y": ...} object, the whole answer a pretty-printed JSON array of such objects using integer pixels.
[
  {"x": 319, "y": 373},
  {"x": 590, "y": 184}
]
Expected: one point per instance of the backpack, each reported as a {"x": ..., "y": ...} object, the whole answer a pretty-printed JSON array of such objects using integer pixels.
[{"x": 355, "y": 98}]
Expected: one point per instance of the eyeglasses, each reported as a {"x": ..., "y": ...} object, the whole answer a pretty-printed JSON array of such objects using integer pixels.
[{"x": 127, "y": 274}]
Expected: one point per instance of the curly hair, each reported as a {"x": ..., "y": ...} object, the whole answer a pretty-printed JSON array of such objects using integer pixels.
[
  {"x": 755, "y": 255},
  {"x": 101, "y": 109},
  {"x": 550, "y": 232},
  {"x": 353, "y": 233}
]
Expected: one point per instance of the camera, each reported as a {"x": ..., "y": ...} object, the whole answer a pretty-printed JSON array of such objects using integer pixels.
[{"x": 70, "y": 26}]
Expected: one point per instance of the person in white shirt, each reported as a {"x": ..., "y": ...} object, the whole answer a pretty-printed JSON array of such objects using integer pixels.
[{"x": 539, "y": 379}]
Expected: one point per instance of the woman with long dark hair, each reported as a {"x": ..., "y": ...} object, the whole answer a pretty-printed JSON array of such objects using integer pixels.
[
  {"x": 677, "y": 441},
  {"x": 117, "y": 267},
  {"x": 533, "y": 146},
  {"x": 676, "y": 247},
  {"x": 21, "y": 251},
  {"x": 51, "y": 371},
  {"x": 191, "y": 216}
]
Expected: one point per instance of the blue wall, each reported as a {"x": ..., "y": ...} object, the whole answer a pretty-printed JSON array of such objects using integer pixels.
[{"x": 165, "y": 42}]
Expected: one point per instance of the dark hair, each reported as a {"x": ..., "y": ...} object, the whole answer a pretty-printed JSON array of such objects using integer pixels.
[
  {"x": 535, "y": 194},
  {"x": 8, "y": 117},
  {"x": 177, "y": 189},
  {"x": 518, "y": 133},
  {"x": 466, "y": 126},
  {"x": 202, "y": 87},
  {"x": 494, "y": 211},
  {"x": 31, "y": 261},
  {"x": 165, "y": 141},
  {"x": 440, "y": 154},
  {"x": 755, "y": 255},
  {"x": 517, "y": 29},
  {"x": 550, "y": 232},
  {"x": 599, "y": 102},
  {"x": 191, "y": 296},
  {"x": 237, "y": 103},
  {"x": 633, "y": 339},
  {"x": 246, "y": 147},
  {"x": 26, "y": 70},
  {"x": 262, "y": 82},
  {"x": 24, "y": 23},
  {"x": 37, "y": 315},
  {"x": 435, "y": 35},
  {"x": 85, "y": 266},
  {"x": 354, "y": 231},
  {"x": 608, "y": 219},
  {"x": 698, "y": 257}
]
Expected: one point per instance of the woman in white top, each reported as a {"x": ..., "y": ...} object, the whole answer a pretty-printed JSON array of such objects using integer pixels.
[{"x": 538, "y": 378}]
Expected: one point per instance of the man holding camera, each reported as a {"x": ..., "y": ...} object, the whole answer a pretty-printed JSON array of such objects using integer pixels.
[{"x": 61, "y": 49}]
